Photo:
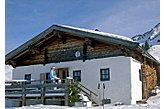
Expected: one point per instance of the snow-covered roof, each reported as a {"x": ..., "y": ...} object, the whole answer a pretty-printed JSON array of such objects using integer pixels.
[{"x": 100, "y": 33}]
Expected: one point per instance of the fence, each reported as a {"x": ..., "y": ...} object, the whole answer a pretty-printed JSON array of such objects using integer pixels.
[{"x": 23, "y": 90}]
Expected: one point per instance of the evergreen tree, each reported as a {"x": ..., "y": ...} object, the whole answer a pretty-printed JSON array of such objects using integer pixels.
[
  {"x": 147, "y": 46},
  {"x": 74, "y": 91}
]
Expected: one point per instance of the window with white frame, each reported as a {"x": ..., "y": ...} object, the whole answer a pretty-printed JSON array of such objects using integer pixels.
[
  {"x": 77, "y": 75},
  {"x": 105, "y": 74}
]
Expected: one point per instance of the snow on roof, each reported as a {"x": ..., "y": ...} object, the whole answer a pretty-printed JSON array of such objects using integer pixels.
[{"x": 99, "y": 33}]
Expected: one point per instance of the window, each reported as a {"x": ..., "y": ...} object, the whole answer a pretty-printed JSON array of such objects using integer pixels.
[
  {"x": 28, "y": 77},
  {"x": 104, "y": 74},
  {"x": 140, "y": 75},
  {"x": 77, "y": 75},
  {"x": 48, "y": 78}
]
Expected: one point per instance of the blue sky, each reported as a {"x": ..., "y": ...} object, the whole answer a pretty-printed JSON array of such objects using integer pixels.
[{"x": 25, "y": 19}]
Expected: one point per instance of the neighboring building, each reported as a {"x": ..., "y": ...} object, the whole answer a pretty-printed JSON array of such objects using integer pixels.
[{"x": 90, "y": 57}]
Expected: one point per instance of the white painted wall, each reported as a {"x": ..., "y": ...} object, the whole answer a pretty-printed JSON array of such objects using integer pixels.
[
  {"x": 136, "y": 84},
  {"x": 118, "y": 89}
]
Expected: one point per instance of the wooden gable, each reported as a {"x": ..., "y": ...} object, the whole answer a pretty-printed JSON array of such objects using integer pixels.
[
  {"x": 64, "y": 43},
  {"x": 67, "y": 47}
]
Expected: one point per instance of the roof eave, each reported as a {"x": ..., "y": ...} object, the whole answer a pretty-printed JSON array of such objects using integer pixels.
[
  {"x": 24, "y": 47},
  {"x": 97, "y": 36},
  {"x": 146, "y": 54}
]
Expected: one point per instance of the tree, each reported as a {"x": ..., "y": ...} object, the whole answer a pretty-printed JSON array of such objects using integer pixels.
[
  {"x": 147, "y": 46},
  {"x": 74, "y": 91}
]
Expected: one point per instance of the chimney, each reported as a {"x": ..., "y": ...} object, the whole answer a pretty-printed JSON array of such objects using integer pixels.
[{"x": 96, "y": 29}]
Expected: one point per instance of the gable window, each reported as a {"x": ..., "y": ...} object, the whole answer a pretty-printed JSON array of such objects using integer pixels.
[
  {"x": 77, "y": 75},
  {"x": 104, "y": 74},
  {"x": 27, "y": 77}
]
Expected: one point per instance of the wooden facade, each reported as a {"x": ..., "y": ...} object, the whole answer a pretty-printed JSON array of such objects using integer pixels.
[
  {"x": 55, "y": 50},
  {"x": 149, "y": 78}
]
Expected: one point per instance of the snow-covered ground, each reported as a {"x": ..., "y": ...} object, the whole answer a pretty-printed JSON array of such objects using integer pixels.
[
  {"x": 8, "y": 72},
  {"x": 152, "y": 103}
]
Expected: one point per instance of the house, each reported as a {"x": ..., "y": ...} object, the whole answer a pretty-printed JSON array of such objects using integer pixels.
[{"x": 114, "y": 67}]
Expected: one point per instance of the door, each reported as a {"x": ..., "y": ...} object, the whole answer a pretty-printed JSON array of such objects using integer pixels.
[{"x": 63, "y": 74}]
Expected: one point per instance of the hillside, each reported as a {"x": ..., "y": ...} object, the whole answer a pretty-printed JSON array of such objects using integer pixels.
[
  {"x": 149, "y": 38},
  {"x": 155, "y": 51}
]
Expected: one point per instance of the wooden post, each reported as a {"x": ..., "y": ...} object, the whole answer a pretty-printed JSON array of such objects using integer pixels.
[
  {"x": 42, "y": 92},
  {"x": 84, "y": 52},
  {"x": 45, "y": 57},
  {"x": 23, "y": 94},
  {"x": 67, "y": 92}
]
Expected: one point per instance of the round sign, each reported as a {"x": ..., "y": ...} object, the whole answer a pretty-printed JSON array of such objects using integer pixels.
[{"x": 77, "y": 53}]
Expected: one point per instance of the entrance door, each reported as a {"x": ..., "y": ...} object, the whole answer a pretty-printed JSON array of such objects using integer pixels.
[{"x": 63, "y": 74}]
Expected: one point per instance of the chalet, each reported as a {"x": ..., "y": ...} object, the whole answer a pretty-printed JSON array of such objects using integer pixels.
[{"x": 112, "y": 66}]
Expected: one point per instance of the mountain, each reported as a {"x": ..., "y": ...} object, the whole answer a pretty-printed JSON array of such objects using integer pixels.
[
  {"x": 149, "y": 38},
  {"x": 155, "y": 51}
]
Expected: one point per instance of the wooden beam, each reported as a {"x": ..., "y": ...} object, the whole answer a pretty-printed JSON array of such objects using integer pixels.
[
  {"x": 13, "y": 63},
  {"x": 87, "y": 41},
  {"x": 45, "y": 57},
  {"x": 85, "y": 51},
  {"x": 34, "y": 50},
  {"x": 90, "y": 42},
  {"x": 61, "y": 36},
  {"x": 144, "y": 60}
]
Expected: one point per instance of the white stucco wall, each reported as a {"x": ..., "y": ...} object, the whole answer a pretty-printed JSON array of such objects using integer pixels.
[
  {"x": 136, "y": 84},
  {"x": 118, "y": 89}
]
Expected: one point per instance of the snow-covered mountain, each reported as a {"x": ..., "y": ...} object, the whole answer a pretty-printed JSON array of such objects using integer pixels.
[
  {"x": 149, "y": 38},
  {"x": 155, "y": 51}
]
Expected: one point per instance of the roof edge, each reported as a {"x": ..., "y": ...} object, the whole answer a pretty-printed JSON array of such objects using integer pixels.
[{"x": 25, "y": 45}]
